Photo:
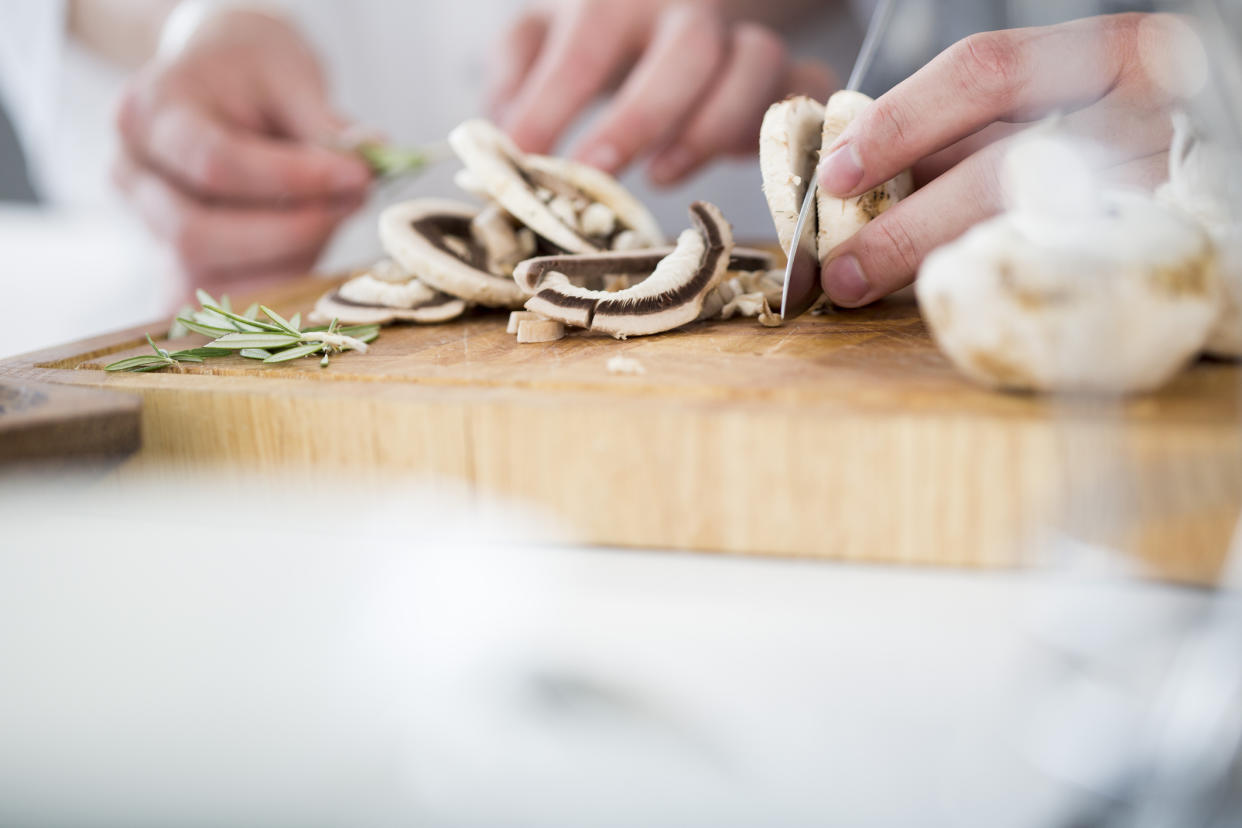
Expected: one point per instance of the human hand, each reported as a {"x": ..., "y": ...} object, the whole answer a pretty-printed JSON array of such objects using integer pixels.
[
  {"x": 694, "y": 85},
  {"x": 222, "y": 152},
  {"x": 1115, "y": 78}
]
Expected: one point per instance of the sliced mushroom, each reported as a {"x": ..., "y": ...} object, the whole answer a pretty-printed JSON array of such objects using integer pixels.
[
  {"x": 536, "y": 331},
  {"x": 432, "y": 239},
  {"x": 789, "y": 144},
  {"x": 550, "y": 195},
  {"x": 1115, "y": 302},
  {"x": 840, "y": 219},
  {"x": 601, "y": 266},
  {"x": 365, "y": 300},
  {"x": 670, "y": 297},
  {"x": 504, "y": 243},
  {"x": 518, "y": 317}
]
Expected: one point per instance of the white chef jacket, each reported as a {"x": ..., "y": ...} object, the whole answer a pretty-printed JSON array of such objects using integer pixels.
[{"x": 413, "y": 69}]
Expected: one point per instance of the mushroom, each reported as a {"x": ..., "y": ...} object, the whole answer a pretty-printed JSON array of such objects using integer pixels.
[
  {"x": 1201, "y": 175},
  {"x": 433, "y": 240},
  {"x": 504, "y": 243},
  {"x": 517, "y": 318},
  {"x": 1116, "y": 301},
  {"x": 536, "y": 331},
  {"x": 604, "y": 267},
  {"x": 369, "y": 300},
  {"x": 670, "y": 297},
  {"x": 569, "y": 204},
  {"x": 789, "y": 144},
  {"x": 840, "y": 219}
]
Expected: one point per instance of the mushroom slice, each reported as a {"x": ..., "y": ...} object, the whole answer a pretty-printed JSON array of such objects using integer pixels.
[
  {"x": 789, "y": 144},
  {"x": 549, "y": 195},
  {"x": 600, "y": 266},
  {"x": 535, "y": 331},
  {"x": 670, "y": 297},
  {"x": 503, "y": 241},
  {"x": 840, "y": 219},
  {"x": 1114, "y": 302},
  {"x": 422, "y": 236},
  {"x": 366, "y": 300}
]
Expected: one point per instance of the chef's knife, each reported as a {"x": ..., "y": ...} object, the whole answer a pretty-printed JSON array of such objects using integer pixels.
[{"x": 802, "y": 284}]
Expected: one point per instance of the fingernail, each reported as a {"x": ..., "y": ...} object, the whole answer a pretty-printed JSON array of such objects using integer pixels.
[
  {"x": 672, "y": 165},
  {"x": 844, "y": 281},
  {"x": 602, "y": 156},
  {"x": 841, "y": 172}
]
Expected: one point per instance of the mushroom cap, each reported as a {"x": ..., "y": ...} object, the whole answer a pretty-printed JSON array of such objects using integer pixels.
[
  {"x": 672, "y": 296},
  {"x": 1203, "y": 178},
  {"x": 334, "y": 305},
  {"x": 841, "y": 219},
  {"x": 624, "y": 263},
  {"x": 789, "y": 144},
  {"x": 603, "y": 188},
  {"x": 504, "y": 172},
  {"x": 1121, "y": 303},
  {"x": 413, "y": 234}
]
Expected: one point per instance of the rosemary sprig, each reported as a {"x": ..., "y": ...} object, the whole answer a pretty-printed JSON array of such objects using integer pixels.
[
  {"x": 393, "y": 162},
  {"x": 272, "y": 341}
]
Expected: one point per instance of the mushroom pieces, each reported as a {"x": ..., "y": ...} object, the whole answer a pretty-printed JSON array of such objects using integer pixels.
[
  {"x": 789, "y": 144},
  {"x": 575, "y": 207},
  {"x": 670, "y": 297},
  {"x": 1116, "y": 302},
  {"x": 433, "y": 240},
  {"x": 841, "y": 219},
  {"x": 383, "y": 294},
  {"x": 600, "y": 266}
]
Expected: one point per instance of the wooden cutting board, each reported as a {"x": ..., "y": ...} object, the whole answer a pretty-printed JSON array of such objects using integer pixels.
[
  {"x": 846, "y": 436},
  {"x": 41, "y": 422}
]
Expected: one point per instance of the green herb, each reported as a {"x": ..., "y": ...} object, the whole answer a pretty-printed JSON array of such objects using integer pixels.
[
  {"x": 273, "y": 341},
  {"x": 392, "y": 162}
]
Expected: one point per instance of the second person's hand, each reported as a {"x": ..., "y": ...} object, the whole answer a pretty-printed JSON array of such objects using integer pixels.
[
  {"x": 694, "y": 85},
  {"x": 222, "y": 155}
]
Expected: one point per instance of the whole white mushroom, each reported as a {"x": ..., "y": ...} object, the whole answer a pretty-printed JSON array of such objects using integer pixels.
[
  {"x": 1114, "y": 298},
  {"x": 1205, "y": 182}
]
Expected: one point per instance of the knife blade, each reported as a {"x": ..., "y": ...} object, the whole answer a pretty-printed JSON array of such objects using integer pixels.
[{"x": 802, "y": 277}]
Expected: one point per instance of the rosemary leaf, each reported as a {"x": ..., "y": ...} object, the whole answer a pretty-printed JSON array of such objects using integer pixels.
[
  {"x": 237, "y": 317},
  {"x": 280, "y": 320},
  {"x": 296, "y": 322},
  {"x": 187, "y": 358},
  {"x": 206, "y": 330},
  {"x": 326, "y": 361},
  {"x": 245, "y": 341},
  {"x": 134, "y": 363},
  {"x": 256, "y": 353},
  {"x": 252, "y": 312},
  {"x": 296, "y": 353},
  {"x": 204, "y": 298},
  {"x": 205, "y": 353},
  {"x": 178, "y": 328}
]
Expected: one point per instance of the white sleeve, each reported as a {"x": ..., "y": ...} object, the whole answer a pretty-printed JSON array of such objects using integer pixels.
[{"x": 32, "y": 41}]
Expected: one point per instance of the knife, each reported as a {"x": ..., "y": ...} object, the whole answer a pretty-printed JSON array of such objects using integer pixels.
[{"x": 802, "y": 283}]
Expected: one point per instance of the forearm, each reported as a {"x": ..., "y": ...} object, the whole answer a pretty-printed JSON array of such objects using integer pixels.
[{"x": 124, "y": 31}]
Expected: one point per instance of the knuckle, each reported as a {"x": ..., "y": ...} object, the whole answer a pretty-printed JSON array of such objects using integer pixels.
[
  {"x": 990, "y": 65},
  {"x": 889, "y": 118},
  {"x": 892, "y": 243},
  {"x": 209, "y": 168}
]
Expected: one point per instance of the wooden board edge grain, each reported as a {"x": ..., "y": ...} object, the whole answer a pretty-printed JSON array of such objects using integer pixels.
[{"x": 713, "y": 478}]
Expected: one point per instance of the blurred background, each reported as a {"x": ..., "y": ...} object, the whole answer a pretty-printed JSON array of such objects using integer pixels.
[{"x": 405, "y": 655}]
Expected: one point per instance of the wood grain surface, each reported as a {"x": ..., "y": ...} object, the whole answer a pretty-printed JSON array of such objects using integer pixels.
[
  {"x": 846, "y": 436},
  {"x": 41, "y": 422}
]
